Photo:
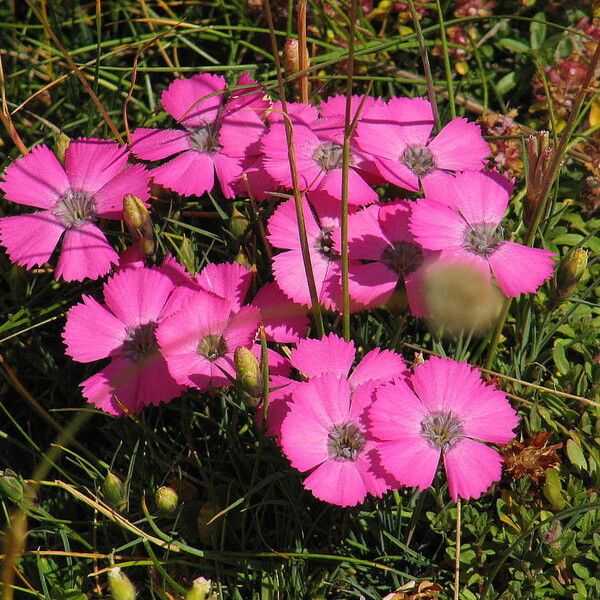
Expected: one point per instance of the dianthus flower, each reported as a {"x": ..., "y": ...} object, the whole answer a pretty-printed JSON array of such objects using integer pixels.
[
  {"x": 460, "y": 217},
  {"x": 389, "y": 256},
  {"x": 397, "y": 136},
  {"x": 443, "y": 409},
  {"x": 136, "y": 300},
  {"x": 91, "y": 185},
  {"x": 318, "y": 149},
  {"x": 215, "y": 136}
]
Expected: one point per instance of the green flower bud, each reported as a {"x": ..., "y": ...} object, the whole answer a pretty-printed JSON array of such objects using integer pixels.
[
  {"x": 120, "y": 585},
  {"x": 137, "y": 217},
  {"x": 553, "y": 490},
  {"x": 114, "y": 491},
  {"x": 166, "y": 499},
  {"x": 11, "y": 485},
  {"x": 60, "y": 146},
  {"x": 200, "y": 589},
  {"x": 187, "y": 256},
  {"x": 238, "y": 224},
  {"x": 248, "y": 374},
  {"x": 568, "y": 275}
]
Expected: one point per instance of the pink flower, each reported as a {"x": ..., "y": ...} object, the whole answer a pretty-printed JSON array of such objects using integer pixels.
[
  {"x": 124, "y": 329},
  {"x": 460, "y": 216},
  {"x": 443, "y": 409},
  {"x": 215, "y": 134},
  {"x": 198, "y": 342},
  {"x": 91, "y": 185},
  {"x": 397, "y": 136},
  {"x": 318, "y": 149},
  {"x": 379, "y": 237},
  {"x": 325, "y": 433}
]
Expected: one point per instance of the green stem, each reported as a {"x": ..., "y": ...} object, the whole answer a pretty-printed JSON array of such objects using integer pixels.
[{"x": 447, "y": 67}]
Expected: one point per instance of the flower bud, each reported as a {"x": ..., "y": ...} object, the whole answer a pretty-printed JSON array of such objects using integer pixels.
[
  {"x": 11, "y": 485},
  {"x": 238, "y": 224},
  {"x": 568, "y": 275},
  {"x": 249, "y": 375},
  {"x": 200, "y": 589},
  {"x": 120, "y": 585},
  {"x": 242, "y": 259},
  {"x": 553, "y": 490},
  {"x": 137, "y": 216},
  {"x": 187, "y": 256},
  {"x": 60, "y": 146},
  {"x": 539, "y": 153},
  {"x": 114, "y": 491},
  {"x": 166, "y": 499},
  {"x": 291, "y": 57}
]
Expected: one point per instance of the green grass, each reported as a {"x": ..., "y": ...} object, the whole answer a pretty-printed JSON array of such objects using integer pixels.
[{"x": 271, "y": 539}]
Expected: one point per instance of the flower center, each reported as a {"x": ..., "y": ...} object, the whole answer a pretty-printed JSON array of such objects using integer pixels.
[
  {"x": 345, "y": 442},
  {"x": 403, "y": 257},
  {"x": 76, "y": 208},
  {"x": 442, "y": 430},
  {"x": 325, "y": 243},
  {"x": 141, "y": 342},
  {"x": 329, "y": 156},
  {"x": 419, "y": 160},
  {"x": 482, "y": 238},
  {"x": 205, "y": 138},
  {"x": 212, "y": 346}
]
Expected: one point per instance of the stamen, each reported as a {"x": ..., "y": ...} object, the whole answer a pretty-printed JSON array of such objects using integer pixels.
[
  {"x": 141, "y": 342},
  {"x": 75, "y": 208},
  {"x": 442, "y": 430},
  {"x": 205, "y": 138},
  {"x": 482, "y": 238},
  {"x": 345, "y": 442},
  {"x": 403, "y": 257},
  {"x": 213, "y": 346},
  {"x": 329, "y": 156},
  {"x": 419, "y": 160},
  {"x": 325, "y": 243}
]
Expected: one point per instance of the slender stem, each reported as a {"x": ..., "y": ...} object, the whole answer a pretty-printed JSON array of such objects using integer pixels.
[
  {"x": 426, "y": 65},
  {"x": 447, "y": 67},
  {"x": 345, "y": 173},
  {"x": 302, "y": 51},
  {"x": 457, "y": 557},
  {"x": 289, "y": 133}
]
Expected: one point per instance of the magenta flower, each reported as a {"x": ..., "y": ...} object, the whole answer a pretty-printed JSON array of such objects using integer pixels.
[
  {"x": 390, "y": 256},
  {"x": 443, "y": 410},
  {"x": 325, "y": 433},
  {"x": 91, "y": 185},
  {"x": 460, "y": 216},
  {"x": 137, "y": 300},
  {"x": 215, "y": 135},
  {"x": 198, "y": 342},
  {"x": 397, "y": 136}
]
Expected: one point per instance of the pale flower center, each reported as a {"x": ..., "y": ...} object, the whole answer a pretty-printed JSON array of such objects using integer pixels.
[
  {"x": 325, "y": 243},
  {"x": 403, "y": 257},
  {"x": 329, "y": 156},
  {"x": 482, "y": 238},
  {"x": 419, "y": 160},
  {"x": 345, "y": 442},
  {"x": 204, "y": 138},
  {"x": 141, "y": 342},
  {"x": 212, "y": 347},
  {"x": 76, "y": 208},
  {"x": 442, "y": 430}
]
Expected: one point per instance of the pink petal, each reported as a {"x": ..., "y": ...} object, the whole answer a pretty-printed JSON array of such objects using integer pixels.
[
  {"x": 85, "y": 253},
  {"x": 284, "y": 321},
  {"x": 366, "y": 240},
  {"x": 471, "y": 469},
  {"x": 247, "y": 95},
  {"x": 279, "y": 366},
  {"x": 239, "y": 130},
  {"x": 30, "y": 239},
  {"x": 436, "y": 227},
  {"x": 337, "y": 482},
  {"x": 372, "y": 284},
  {"x": 132, "y": 258},
  {"x": 330, "y": 354},
  {"x": 194, "y": 101},
  {"x": 302, "y": 439},
  {"x": 413, "y": 284},
  {"x": 379, "y": 366},
  {"x": 283, "y": 225},
  {"x": 156, "y": 144},
  {"x": 416, "y": 118},
  {"x": 359, "y": 191},
  {"x": 109, "y": 198},
  {"x": 394, "y": 218},
  {"x": 279, "y": 399},
  {"x": 520, "y": 269},
  {"x": 242, "y": 328},
  {"x": 297, "y": 111},
  {"x": 398, "y": 173},
  {"x": 335, "y": 106},
  {"x": 36, "y": 179},
  {"x": 228, "y": 171},
  {"x": 92, "y": 163},
  {"x": 227, "y": 280},
  {"x": 458, "y": 146},
  {"x": 377, "y": 121},
  {"x": 189, "y": 174},
  {"x": 92, "y": 332},
  {"x": 137, "y": 296}
]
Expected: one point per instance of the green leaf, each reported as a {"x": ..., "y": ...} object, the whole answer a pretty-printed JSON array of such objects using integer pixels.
[
  {"x": 515, "y": 46},
  {"x": 560, "y": 359},
  {"x": 575, "y": 454},
  {"x": 537, "y": 31},
  {"x": 507, "y": 83}
]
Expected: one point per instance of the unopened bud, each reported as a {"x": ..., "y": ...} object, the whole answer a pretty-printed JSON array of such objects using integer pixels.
[
  {"x": 553, "y": 489},
  {"x": 242, "y": 259},
  {"x": 187, "y": 256},
  {"x": 200, "y": 589},
  {"x": 249, "y": 375},
  {"x": 166, "y": 499},
  {"x": 120, "y": 585},
  {"x": 11, "y": 485},
  {"x": 291, "y": 57},
  {"x": 60, "y": 146},
  {"x": 539, "y": 153},
  {"x": 568, "y": 275},
  {"x": 114, "y": 491},
  {"x": 238, "y": 224},
  {"x": 137, "y": 217}
]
